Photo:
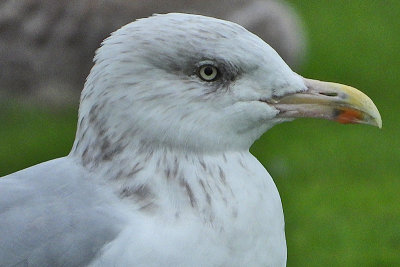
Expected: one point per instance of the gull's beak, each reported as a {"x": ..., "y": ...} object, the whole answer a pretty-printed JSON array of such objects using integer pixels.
[{"x": 330, "y": 101}]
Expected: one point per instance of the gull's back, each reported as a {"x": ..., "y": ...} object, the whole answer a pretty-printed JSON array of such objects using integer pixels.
[{"x": 50, "y": 215}]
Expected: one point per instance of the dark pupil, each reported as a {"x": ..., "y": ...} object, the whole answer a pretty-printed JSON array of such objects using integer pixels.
[{"x": 208, "y": 71}]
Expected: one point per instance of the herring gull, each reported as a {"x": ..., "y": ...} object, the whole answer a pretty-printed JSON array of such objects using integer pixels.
[{"x": 160, "y": 172}]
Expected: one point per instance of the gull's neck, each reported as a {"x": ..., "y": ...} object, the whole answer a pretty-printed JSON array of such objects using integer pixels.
[{"x": 154, "y": 179}]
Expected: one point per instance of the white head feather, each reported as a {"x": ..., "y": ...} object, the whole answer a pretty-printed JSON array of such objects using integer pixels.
[{"x": 145, "y": 80}]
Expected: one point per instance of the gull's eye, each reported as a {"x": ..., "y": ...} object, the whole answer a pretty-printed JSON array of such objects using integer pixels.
[{"x": 208, "y": 73}]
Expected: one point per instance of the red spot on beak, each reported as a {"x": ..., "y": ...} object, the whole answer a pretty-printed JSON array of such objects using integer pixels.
[{"x": 349, "y": 116}]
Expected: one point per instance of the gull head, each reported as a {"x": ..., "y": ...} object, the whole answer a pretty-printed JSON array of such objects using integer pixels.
[{"x": 201, "y": 84}]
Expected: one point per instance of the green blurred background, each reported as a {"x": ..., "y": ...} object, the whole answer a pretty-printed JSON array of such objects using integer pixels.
[{"x": 339, "y": 184}]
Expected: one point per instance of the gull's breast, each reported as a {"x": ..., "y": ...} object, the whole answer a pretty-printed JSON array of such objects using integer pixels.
[{"x": 239, "y": 223}]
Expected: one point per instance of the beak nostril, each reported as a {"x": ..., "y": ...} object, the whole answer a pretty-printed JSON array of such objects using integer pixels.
[{"x": 328, "y": 93}]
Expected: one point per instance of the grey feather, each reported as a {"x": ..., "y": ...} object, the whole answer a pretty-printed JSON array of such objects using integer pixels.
[{"x": 55, "y": 217}]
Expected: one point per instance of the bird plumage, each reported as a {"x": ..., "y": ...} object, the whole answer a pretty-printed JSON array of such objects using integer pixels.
[{"x": 160, "y": 173}]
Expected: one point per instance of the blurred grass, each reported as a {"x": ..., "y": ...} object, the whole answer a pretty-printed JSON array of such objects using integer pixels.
[
  {"x": 339, "y": 184},
  {"x": 30, "y": 135}
]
